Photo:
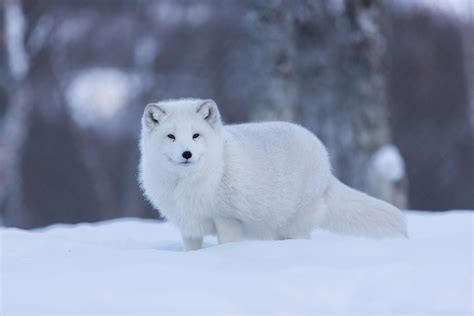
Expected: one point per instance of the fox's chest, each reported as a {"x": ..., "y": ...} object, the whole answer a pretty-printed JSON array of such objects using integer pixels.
[{"x": 190, "y": 209}]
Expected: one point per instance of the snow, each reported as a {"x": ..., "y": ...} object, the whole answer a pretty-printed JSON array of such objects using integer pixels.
[
  {"x": 97, "y": 94},
  {"x": 15, "y": 25},
  {"x": 388, "y": 163},
  {"x": 460, "y": 9},
  {"x": 174, "y": 13},
  {"x": 136, "y": 267}
]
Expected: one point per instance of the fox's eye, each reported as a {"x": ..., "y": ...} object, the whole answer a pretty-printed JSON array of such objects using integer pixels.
[
  {"x": 195, "y": 136},
  {"x": 171, "y": 136}
]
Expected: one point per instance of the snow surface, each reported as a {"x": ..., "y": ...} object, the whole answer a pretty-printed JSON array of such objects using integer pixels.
[{"x": 136, "y": 267}]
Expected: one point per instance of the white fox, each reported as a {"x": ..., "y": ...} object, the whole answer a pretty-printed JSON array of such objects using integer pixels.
[{"x": 262, "y": 180}]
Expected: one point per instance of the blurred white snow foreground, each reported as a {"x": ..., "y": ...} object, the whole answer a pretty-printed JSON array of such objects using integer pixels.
[{"x": 136, "y": 267}]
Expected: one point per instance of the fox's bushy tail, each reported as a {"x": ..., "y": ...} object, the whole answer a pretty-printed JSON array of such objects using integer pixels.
[{"x": 355, "y": 213}]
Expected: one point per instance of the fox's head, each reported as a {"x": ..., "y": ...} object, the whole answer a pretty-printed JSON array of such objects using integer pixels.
[{"x": 181, "y": 135}]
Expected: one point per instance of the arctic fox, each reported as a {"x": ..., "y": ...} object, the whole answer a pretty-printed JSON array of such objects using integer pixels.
[{"x": 263, "y": 180}]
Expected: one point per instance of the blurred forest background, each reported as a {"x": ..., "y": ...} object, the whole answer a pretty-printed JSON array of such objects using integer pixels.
[{"x": 387, "y": 86}]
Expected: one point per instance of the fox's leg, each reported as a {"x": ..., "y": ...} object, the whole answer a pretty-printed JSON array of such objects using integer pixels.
[
  {"x": 228, "y": 230},
  {"x": 192, "y": 243},
  {"x": 303, "y": 223}
]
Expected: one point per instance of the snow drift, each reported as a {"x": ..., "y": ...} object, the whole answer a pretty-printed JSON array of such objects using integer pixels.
[{"x": 132, "y": 266}]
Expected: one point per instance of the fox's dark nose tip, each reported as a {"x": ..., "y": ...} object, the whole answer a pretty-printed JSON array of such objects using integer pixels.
[{"x": 187, "y": 154}]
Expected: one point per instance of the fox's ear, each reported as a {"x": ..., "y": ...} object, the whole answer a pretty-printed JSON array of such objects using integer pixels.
[
  {"x": 210, "y": 113},
  {"x": 153, "y": 114}
]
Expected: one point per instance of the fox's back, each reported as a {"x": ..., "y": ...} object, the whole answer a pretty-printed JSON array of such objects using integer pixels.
[{"x": 274, "y": 143}]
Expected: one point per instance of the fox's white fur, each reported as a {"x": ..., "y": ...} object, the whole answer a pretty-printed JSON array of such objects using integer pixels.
[{"x": 264, "y": 180}]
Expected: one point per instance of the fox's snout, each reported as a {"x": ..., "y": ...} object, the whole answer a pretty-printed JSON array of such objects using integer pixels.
[{"x": 187, "y": 154}]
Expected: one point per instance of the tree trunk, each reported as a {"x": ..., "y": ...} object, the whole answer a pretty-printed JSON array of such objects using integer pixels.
[
  {"x": 273, "y": 91},
  {"x": 321, "y": 65}
]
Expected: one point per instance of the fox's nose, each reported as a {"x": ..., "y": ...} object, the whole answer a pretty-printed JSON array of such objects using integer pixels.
[{"x": 187, "y": 154}]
